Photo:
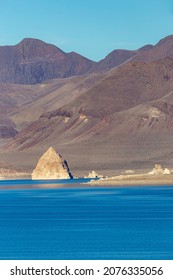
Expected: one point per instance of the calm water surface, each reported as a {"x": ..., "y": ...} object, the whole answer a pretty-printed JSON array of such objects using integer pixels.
[{"x": 72, "y": 221}]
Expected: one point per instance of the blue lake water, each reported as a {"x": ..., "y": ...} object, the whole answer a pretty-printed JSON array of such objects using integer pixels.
[{"x": 62, "y": 220}]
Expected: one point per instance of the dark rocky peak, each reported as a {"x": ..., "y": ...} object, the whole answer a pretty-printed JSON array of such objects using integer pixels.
[
  {"x": 33, "y": 61},
  {"x": 37, "y": 49}
]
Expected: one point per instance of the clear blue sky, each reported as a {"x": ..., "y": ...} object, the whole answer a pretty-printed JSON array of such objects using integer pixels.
[{"x": 92, "y": 28}]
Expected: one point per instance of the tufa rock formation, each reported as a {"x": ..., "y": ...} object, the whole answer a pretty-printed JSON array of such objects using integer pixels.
[
  {"x": 51, "y": 166},
  {"x": 93, "y": 174},
  {"x": 158, "y": 170}
]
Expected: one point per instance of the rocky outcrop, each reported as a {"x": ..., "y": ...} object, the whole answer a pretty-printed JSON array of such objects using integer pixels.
[
  {"x": 51, "y": 166},
  {"x": 93, "y": 174},
  {"x": 158, "y": 170}
]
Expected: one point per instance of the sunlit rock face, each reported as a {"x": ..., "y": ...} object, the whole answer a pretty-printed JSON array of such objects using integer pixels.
[
  {"x": 51, "y": 166},
  {"x": 158, "y": 170}
]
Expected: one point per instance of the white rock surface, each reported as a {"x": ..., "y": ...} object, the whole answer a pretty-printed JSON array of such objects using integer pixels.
[
  {"x": 157, "y": 170},
  {"x": 93, "y": 174}
]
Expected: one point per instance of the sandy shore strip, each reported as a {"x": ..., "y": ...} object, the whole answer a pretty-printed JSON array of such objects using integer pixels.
[{"x": 134, "y": 179}]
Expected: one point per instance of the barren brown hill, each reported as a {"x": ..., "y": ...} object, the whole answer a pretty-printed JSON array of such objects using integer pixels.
[
  {"x": 124, "y": 121},
  {"x": 121, "y": 119},
  {"x": 118, "y": 57},
  {"x": 125, "y": 87},
  {"x": 164, "y": 48},
  {"x": 22, "y": 104},
  {"x": 115, "y": 58},
  {"x": 33, "y": 61},
  {"x": 12, "y": 97}
]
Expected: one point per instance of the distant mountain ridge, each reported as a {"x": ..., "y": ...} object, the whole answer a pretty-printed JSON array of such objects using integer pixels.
[{"x": 32, "y": 61}]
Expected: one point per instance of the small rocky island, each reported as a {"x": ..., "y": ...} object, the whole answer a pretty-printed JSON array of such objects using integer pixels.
[{"x": 51, "y": 166}]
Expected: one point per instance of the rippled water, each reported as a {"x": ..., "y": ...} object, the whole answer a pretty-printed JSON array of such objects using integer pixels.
[{"x": 74, "y": 221}]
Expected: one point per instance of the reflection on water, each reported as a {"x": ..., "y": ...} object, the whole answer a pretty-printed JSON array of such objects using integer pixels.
[{"x": 80, "y": 222}]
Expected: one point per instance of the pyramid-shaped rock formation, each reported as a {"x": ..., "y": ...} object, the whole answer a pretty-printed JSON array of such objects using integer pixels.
[{"x": 51, "y": 166}]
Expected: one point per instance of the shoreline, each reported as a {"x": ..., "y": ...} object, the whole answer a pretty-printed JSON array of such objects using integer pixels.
[
  {"x": 134, "y": 180},
  {"x": 119, "y": 180}
]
